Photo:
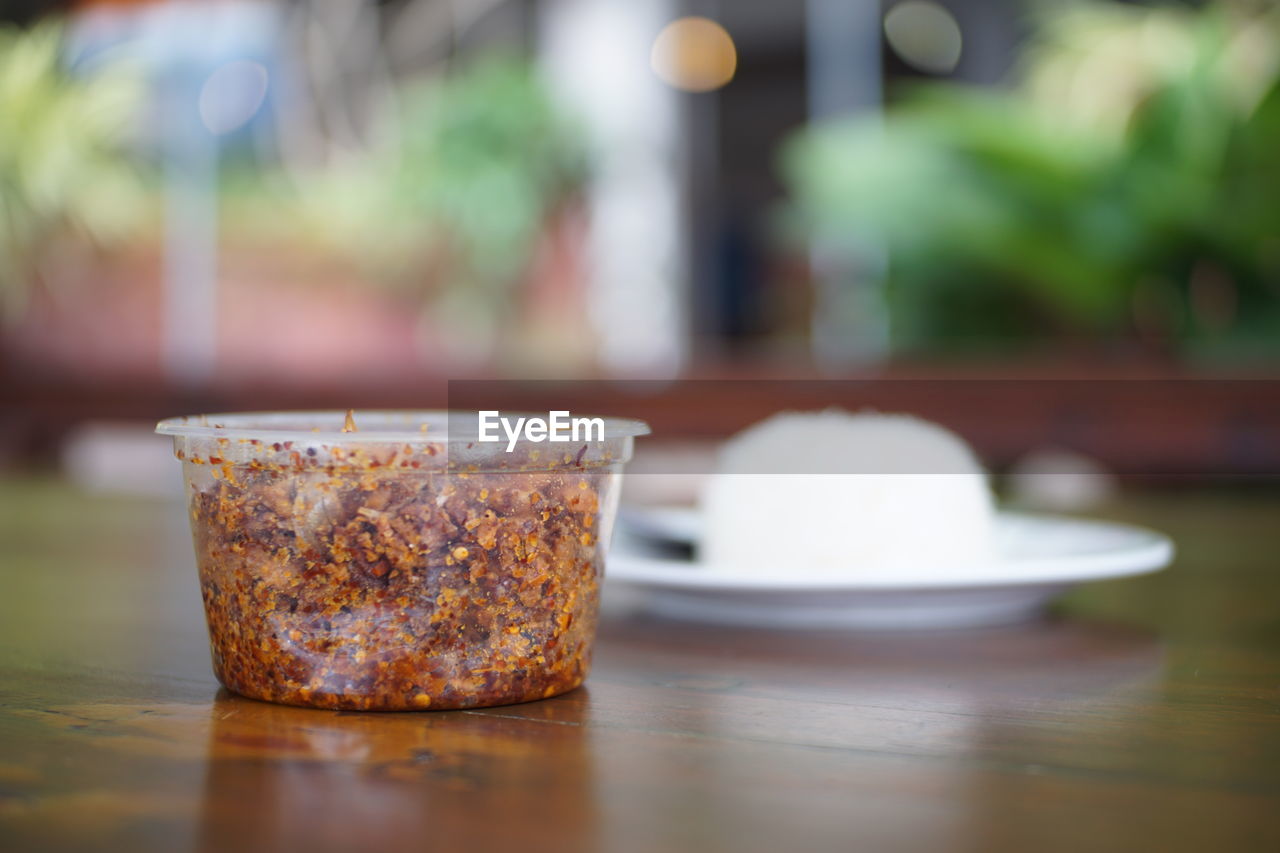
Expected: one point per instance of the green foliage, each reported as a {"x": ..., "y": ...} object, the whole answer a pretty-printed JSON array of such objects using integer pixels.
[
  {"x": 63, "y": 171},
  {"x": 475, "y": 163},
  {"x": 486, "y": 156},
  {"x": 1130, "y": 178}
]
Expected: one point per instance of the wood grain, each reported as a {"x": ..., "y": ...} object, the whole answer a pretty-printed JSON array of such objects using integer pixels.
[{"x": 1144, "y": 715}]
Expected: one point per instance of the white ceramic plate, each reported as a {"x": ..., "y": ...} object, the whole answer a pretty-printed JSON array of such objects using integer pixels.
[{"x": 1038, "y": 558}]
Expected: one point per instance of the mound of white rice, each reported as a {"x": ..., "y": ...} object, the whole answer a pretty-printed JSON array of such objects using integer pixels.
[{"x": 846, "y": 495}]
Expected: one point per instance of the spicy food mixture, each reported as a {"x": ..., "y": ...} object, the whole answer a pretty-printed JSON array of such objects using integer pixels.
[{"x": 365, "y": 583}]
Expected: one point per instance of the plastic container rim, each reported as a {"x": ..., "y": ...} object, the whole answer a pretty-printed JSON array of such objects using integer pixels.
[{"x": 281, "y": 426}]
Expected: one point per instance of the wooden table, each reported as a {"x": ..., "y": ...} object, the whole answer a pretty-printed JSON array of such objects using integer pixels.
[{"x": 1144, "y": 716}]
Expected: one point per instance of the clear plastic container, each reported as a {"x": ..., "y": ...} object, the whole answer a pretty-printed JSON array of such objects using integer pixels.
[{"x": 404, "y": 565}]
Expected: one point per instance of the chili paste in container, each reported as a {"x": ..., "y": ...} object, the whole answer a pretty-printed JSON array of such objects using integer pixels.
[{"x": 399, "y": 566}]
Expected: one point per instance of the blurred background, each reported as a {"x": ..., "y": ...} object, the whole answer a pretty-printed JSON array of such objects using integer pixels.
[
  {"x": 1052, "y": 226},
  {"x": 328, "y": 203}
]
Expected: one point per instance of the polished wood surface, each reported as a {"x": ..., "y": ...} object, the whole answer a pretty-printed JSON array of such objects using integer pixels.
[{"x": 1143, "y": 715}]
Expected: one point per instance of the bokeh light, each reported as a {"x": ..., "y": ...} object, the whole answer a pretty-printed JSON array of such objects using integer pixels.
[
  {"x": 694, "y": 54},
  {"x": 232, "y": 95},
  {"x": 924, "y": 35}
]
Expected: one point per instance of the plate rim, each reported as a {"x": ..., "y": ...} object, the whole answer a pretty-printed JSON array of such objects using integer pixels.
[{"x": 1151, "y": 552}]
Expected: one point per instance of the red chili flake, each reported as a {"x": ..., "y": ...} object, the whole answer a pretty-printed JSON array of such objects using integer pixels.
[{"x": 359, "y": 603}]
